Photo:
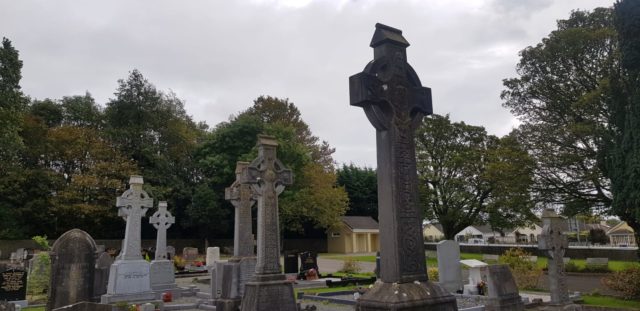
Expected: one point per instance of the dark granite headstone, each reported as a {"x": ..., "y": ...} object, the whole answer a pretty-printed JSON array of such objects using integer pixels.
[
  {"x": 502, "y": 293},
  {"x": 290, "y": 262},
  {"x": 72, "y": 269},
  {"x": 13, "y": 284},
  {"x": 309, "y": 260},
  {"x": 394, "y": 101},
  {"x": 101, "y": 278}
]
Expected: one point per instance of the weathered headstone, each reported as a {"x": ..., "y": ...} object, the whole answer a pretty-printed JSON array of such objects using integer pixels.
[
  {"x": 555, "y": 243},
  {"x": 490, "y": 258},
  {"x": 189, "y": 254},
  {"x": 101, "y": 279},
  {"x": 213, "y": 255},
  {"x": 395, "y": 101},
  {"x": 13, "y": 285},
  {"x": 449, "y": 271},
  {"x": 162, "y": 274},
  {"x": 73, "y": 259},
  {"x": 129, "y": 274},
  {"x": 502, "y": 292},
  {"x": 171, "y": 252},
  {"x": 269, "y": 289}
]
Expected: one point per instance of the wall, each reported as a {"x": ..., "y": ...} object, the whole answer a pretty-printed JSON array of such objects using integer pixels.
[
  {"x": 578, "y": 252},
  {"x": 316, "y": 245}
]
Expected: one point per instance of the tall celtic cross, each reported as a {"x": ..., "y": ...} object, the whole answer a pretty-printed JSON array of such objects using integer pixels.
[
  {"x": 555, "y": 243},
  {"x": 267, "y": 176},
  {"x": 241, "y": 196},
  {"x": 395, "y": 101},
  {"x": 161, "y": 220},
  {"x": 133, "y": 205}
]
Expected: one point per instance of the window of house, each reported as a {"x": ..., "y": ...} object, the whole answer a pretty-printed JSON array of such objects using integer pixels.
[{"x": 335, "y": 234}]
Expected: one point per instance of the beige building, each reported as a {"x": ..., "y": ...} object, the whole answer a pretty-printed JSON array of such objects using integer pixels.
[
  {"x": 621, "y": 235},
  {"x": 433, "y": 232},
  {"x": 355, "y": 234}
]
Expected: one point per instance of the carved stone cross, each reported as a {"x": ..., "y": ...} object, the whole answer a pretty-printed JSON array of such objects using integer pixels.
[
  {"x": 267, "y": 176},
  {"x": 162, "y": 220},
  {"x": 133, "y": 205},
  {"x": 555, "y": 243},
  {"x": 241, "y": 196},
  {"x": 395, "y": 101}
]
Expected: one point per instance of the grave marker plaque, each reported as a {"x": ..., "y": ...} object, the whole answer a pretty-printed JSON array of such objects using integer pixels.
[
  {"x": 13, "y": 284},
  {"x": 395, "y": 101}
]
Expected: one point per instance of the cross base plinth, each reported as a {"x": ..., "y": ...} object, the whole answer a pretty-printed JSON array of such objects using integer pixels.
[
  {"x": 407, "y": 297},
  {"x": 269, "y": 292}
]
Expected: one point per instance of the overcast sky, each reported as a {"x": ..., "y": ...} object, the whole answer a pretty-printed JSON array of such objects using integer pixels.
[{"x": 220, "y": 55}]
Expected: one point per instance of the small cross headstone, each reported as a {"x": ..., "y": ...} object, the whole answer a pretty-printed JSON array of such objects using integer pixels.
[
  {"x": 129, "y": 274},
  {"x": 268, "y": 177},
  {"x": 394, "y": 101},
  {"x": 162, "y": 220},
  {"x": 72, "y": 269},
  {"x": 555, "y": 243}
]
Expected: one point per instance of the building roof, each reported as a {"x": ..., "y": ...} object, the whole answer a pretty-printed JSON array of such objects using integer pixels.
[
  {"x": 484, "y": 228},
  {"x": 621, "y": 228},
  {"x": 360, "y": 222},
  {"x": 436, "y": 225}
]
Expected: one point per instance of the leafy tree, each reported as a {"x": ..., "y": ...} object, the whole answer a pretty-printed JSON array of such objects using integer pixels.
[
  {"x": 624, "y": 158},
  {"x": 12, "y": 107},
  {"x": 361, "y": 185},
  {"x": 152, "y": 128},
  {"x": 81, "y": 111},
  {"x": 313, "y": 199},
  {"x": 469, "y": 177},
  {"x": 12, "y": 104},
  {"x": 561, "y": 97}
]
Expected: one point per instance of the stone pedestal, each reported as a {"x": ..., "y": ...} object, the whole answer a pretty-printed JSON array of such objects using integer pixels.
[
  {"x": 268, "y": 293},
  {"x": 162, "y": 275},
  {"x": 128, "y": 281},
  {"x": 407, "y": 296}
]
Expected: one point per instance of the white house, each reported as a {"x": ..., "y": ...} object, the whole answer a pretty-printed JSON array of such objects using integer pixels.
[
  {"x": 476, "y": 234},
  {"x": 483, "y": 234},
  {"x": 433, "y": 232}
]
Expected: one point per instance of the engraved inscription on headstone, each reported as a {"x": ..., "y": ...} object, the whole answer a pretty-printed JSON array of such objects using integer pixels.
[{"x": 13, "y": 284}]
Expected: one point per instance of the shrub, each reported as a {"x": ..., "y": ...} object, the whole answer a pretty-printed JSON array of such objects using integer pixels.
[
  {"x": 525, "y": 272},
  {"x": 38, "y": 278},
  {"x": 350, "y": 266},
  {"x": 571, "y": 267},
  {"x": 626, "y": 281},
  {"x": 433, "y": 274}
]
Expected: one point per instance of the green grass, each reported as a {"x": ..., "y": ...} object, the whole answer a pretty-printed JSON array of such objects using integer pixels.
[
  {"x": 356, "y": 275},
  {"x": 614, "y": 265},
  {"x": 608, "y": 301},
  {"x": 33, "y": 309}
]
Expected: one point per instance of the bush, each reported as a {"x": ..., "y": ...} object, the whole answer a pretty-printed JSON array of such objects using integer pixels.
[
  {"x": 433, "y": 274},
  {"x": 571, "y": 267},
  {"x": 626, "y": 281},
  {"x": 525, "y": 272},
  {"x": 38, "y": 278},
  {"x": 350, "y": 266}
]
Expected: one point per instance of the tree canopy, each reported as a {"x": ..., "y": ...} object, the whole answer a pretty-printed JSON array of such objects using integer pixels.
[{"x": 469, "y": 177}]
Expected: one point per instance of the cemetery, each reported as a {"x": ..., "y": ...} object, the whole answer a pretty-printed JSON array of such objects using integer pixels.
[{"x": 391, "y": 261}]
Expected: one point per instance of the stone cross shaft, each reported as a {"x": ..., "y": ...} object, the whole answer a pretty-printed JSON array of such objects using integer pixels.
[
  {"x": 240, "y": 195},
  {"x": 162, "y": 220},
  {"x": 268, "y": 177},
  {"x": 133, "y": 205},
  {"x": 555, "y": 243},
  {"x": 395, "y": 101}
]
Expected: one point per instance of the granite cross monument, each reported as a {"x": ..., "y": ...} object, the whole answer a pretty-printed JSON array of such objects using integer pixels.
[
  {"x": 395, "y": 101},
  {"x": 162, "y": 276},
  {"x": 555, "y": 243},
  {"x": 269, "y": 289}
]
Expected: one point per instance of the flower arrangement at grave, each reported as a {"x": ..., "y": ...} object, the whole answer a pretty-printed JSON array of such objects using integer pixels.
[
  {"x": 179, "y": 262},
  {"x": 482, "y": 288}
]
